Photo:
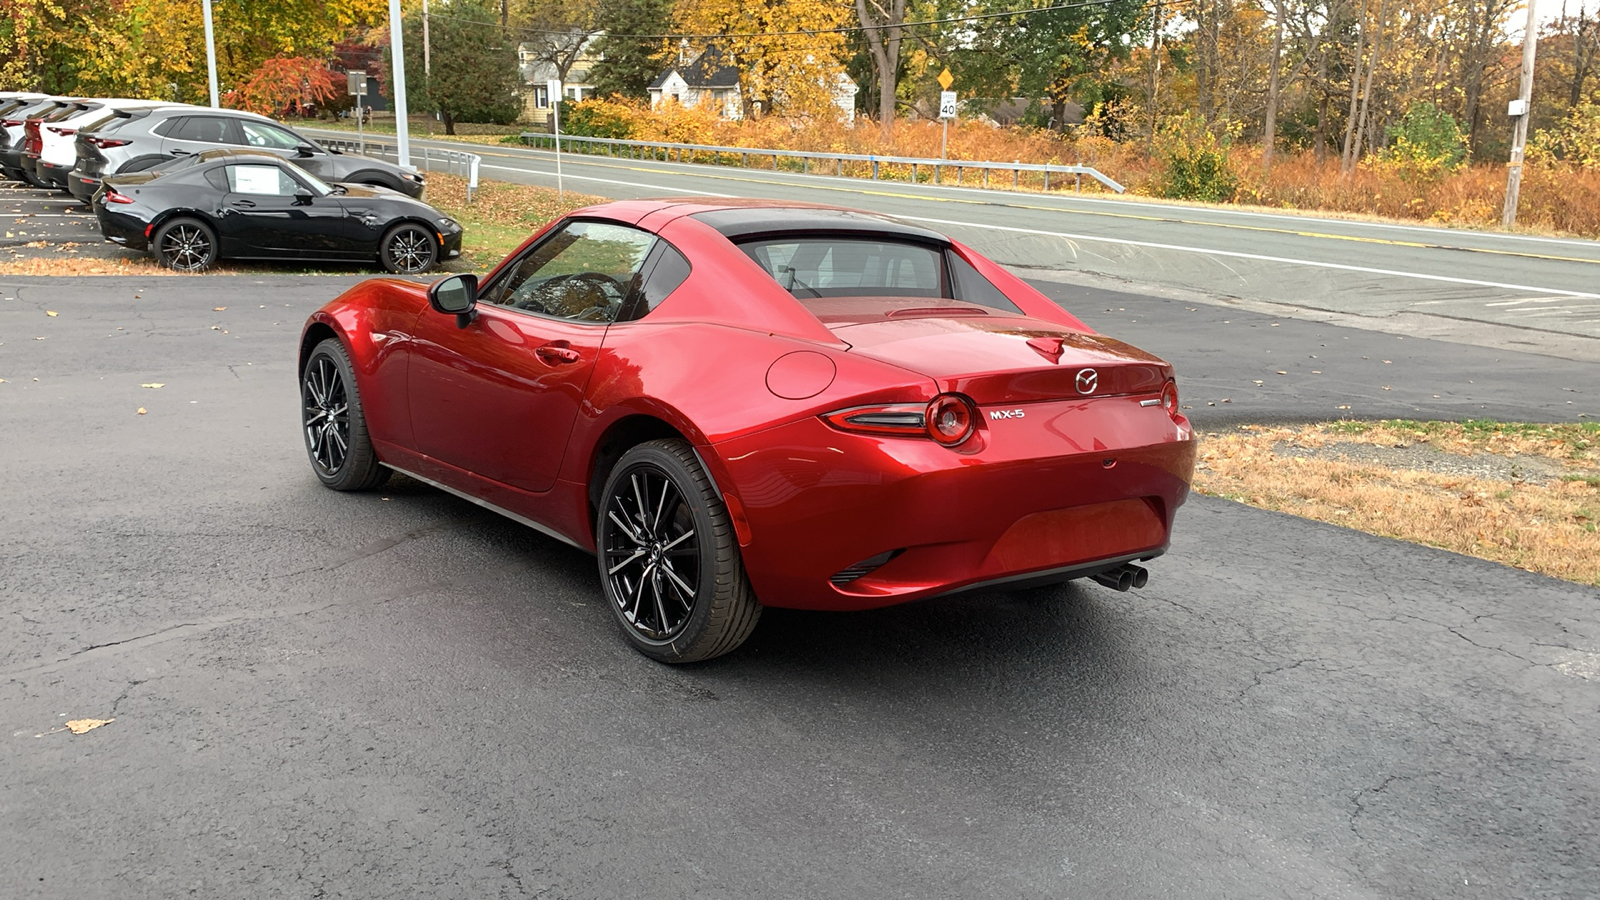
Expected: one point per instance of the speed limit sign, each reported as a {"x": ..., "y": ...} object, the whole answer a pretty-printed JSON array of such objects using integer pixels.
[{"x": 947, "y": 104}]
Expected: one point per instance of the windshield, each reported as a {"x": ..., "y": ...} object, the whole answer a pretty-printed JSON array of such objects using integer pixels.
[{"x": 322, "y": 188}]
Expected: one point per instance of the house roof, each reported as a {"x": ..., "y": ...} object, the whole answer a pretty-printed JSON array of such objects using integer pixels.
[{"x": 708, "y": 71}]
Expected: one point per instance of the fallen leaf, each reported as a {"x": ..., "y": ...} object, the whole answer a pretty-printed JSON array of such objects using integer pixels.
[
  {"x": 1282, "y": 372},
  {"x": 51, "y": 313},
  {"x": 218, "y": 308},
  {"x": 157, "y": 385},
  {"x": 141, "y": 410},
  {"x": 79, "y": 726}
]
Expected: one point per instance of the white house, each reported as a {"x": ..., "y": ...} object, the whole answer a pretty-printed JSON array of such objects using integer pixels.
[{"x": 709, "y": 81}]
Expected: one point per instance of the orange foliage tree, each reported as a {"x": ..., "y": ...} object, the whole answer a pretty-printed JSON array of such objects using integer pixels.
[{"x": 282, "y": 81}]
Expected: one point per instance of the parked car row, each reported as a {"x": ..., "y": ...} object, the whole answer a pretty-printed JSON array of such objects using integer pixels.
[{"x": 193, "y": 185}]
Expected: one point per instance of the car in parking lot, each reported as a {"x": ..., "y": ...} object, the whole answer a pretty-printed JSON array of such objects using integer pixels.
[
  {"x": 737, "y": 404},
  {"x": 50, "y": 153},
  {"x": 248, "y": 204},
  {"x": 13, "y": 133},
  {"x": 134, "y": 140}
]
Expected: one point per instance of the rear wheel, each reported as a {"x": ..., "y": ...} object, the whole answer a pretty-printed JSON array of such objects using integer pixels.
[
  {"x": 408, "y": 249},
  {"x": 669, "y": 559},
  {"x": 333, "y": 424},
  {"x": 185, "y": 245}
]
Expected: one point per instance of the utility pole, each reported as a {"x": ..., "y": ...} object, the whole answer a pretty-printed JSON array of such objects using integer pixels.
[
  {"x": 211, "y": 54},
  {"x": 1521, "y": 109},
  {"x": 427, "y": 51},
  {"x": 402, "y": 127},
  {"x": 1155, "y": 73}
]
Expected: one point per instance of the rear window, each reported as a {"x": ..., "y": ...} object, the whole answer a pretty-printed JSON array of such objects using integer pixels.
[
  {"x": 65, "y": 112},
  {"x": 820, "y": 266},
  {"x": 117, "y": 119},
  {"x": 823, "y": 266}
]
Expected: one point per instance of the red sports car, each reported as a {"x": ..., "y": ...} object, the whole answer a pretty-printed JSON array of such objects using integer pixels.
[{"x": 738, "y": 404}]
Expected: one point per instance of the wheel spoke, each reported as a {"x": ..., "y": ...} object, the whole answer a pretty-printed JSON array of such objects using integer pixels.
[
  {"x": 632, "y": 535},
  {"x": 616, "y": 568},
  {"x": 661, "y": 609},
  {"x": 677, "y": 540},
  {"x": 682, "y": 586},
  {"x": 638, "y": 495}
]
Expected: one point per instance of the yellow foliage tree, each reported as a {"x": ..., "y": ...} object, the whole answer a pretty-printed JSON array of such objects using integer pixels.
[{"x": 787, "y": 52}]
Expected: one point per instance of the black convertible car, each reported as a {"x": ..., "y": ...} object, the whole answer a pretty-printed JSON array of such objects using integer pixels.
[{"x": 244, "y": 204}]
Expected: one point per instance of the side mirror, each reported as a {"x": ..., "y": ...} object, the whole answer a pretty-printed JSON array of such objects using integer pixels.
[
  {"x": 304, "y": 150},
  {"x": 302, "y": 197},
  {"x": 456, "y": 296}
]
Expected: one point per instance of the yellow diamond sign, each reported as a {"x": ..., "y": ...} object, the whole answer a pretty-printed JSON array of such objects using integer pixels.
[{"x": 946, "y": 79}]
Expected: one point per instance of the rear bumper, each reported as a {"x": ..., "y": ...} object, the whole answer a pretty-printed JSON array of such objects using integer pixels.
[
  {"x": 1076, "y": 488},
  {"x": 119, "y": 228},
  {"x": 82, "y": 186},
  {"x": 53, "y": 173}
]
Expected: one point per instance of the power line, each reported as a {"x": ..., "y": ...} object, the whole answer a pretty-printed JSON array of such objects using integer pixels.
[{"x": 848, "y": 29}]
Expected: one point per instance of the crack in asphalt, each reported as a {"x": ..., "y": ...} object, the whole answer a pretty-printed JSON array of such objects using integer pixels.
[
  {"x": 1256, "y": 678},
  {"x": 1360, "y": 808},
  {"x": 388, "y": 543}
]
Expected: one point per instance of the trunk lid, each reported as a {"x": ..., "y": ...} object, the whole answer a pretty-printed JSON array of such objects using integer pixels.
[{"x": 991, "y": 357}]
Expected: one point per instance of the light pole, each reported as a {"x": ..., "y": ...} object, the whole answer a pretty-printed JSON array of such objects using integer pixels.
[
  {"x": 402, "y": 129},
  {"x": 1521, "y": 109},
  {"x": 211, "y": 54}
]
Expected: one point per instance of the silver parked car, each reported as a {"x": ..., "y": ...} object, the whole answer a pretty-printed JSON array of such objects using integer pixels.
[{"x": 135, "y": 140}]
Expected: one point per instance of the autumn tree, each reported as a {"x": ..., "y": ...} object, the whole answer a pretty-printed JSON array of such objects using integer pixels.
[
  {"x": 282, "y": 81},
  {"x": 787, "y": 52},
  {"x": 881, "y": 25},
  {"x": 474, "y": 68},
  {"x": 556, "y": 30},
  {"x": 631, "y": 47}
]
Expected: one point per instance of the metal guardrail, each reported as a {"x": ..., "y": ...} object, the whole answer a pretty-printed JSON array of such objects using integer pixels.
[
  {"x": 430, "y": 157},
  {"x": 676, "y": 152}
]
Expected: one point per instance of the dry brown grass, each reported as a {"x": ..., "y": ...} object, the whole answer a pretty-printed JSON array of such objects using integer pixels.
[
  {"x": 82, "y": 266},
  {"x": 1544, "y": 522}
]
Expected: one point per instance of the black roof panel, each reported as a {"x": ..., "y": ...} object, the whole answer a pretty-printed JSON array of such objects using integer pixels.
[{"x": 739, "y": 223}]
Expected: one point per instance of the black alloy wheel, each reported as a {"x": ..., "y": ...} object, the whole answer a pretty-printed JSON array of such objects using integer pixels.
[
  {"x": 669, "y": 558},
  {"x": 185, "y": 245},
  {"x": 409, "y": 249},
  {"x": 335, "y": 430}
]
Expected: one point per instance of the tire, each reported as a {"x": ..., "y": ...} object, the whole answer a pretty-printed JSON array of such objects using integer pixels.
[
  {"x": 185, "y": 245},
  {"x": 408, "y": 249},
  {"x": 682, "y": 546},
  {"x": 333, "y": 424},
  {"x": 34, "y": 180}
]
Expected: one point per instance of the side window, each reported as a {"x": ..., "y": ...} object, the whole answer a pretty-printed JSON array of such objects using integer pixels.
[
  {"x": 202, "y": 129},
  {"x": 584, "y": 272},
  {"x": 664, "y": 273},
  {"x": 260, "y": 134},
  {"x": 268, "y": 180},
  {"x": 218, "y": 178},
  {"x": 971, "y": 286}
]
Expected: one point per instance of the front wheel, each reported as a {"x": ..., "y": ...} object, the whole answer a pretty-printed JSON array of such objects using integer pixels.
[
  {"x": 332, "y": 421},
  {"x": 669, "y": 559},
  {"x": 408, "y": 249},
  {"x": 185, "y": 245}
]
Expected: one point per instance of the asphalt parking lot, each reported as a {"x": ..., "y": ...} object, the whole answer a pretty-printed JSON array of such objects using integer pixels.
[
  {"x": 398, "y": 695},
  {"x": 49, "y": 224}
]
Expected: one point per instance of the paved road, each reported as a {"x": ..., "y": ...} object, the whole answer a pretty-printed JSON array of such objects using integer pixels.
[
  {"x": 396, "y": 695},
  {"x": 1361, "y": 268}
]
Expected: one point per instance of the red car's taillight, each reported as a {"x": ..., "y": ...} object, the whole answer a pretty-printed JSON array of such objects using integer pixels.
[
  {"x": 114, "y": 197},
  {"x": 949, "y": 419},
  {"x": 1169, "y": 399},
  {"x": 10, "y": 123}
]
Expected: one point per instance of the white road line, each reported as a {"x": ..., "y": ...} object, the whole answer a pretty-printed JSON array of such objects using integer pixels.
[
  {"x": 689, "y": 170},
  {"x": 650, "y": 187},
  {"x": 1256, "y": 256}
]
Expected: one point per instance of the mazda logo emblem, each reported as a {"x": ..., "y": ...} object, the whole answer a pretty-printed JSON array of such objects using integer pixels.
[{"x": 1088, "y": 380}]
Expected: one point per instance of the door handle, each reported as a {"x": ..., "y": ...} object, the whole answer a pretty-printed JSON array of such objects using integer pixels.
[
  {"x": 180, "y": 153},
  {"x": 243, "y": 204},
  {"x": 558, "y": 352}
]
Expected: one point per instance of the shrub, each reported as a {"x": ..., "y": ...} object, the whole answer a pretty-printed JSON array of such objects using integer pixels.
[
  {"x": 599, "y": 118},
  {"x": 1424, "y": 145},
  {"x": 1574, "y": 140},
  {"x": 1195, "y": 161}
]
